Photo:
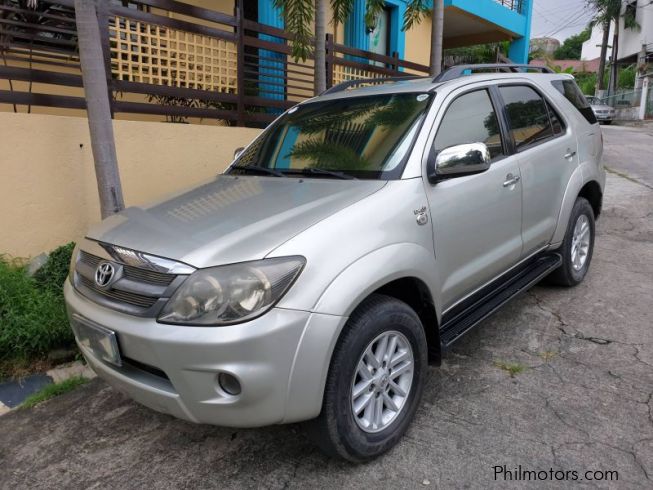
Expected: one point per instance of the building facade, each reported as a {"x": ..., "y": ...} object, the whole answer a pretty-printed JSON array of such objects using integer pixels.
[
  {"x": 222, "y": 60},
  {"x": 631, "y": 41}
]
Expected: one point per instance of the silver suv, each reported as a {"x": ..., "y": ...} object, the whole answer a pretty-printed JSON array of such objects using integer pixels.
[{"x": 349, "y": 245}]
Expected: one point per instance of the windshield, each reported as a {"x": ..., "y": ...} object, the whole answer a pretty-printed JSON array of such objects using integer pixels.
[{"x": 362, "y": 137}]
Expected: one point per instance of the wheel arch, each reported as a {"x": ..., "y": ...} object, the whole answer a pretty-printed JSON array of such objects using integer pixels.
[
  {"x": 577, "y": 187},
  {"x": 592, "y": 192},
  {"x": 416, "y": 294},
  {"x": 401, "y": 271}
]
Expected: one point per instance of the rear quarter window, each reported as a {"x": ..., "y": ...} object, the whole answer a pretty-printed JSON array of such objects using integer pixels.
[{"x": 572, "y": 93}]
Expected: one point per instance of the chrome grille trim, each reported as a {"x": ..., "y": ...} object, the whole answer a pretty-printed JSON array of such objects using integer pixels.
[
  {"x": 131, "y": 272},
  {"x": 137, "y": 291},
  {"x": 118, "y": 295}
]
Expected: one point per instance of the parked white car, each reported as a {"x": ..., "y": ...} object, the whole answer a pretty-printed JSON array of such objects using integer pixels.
[
  {"x": 355, "y": 240},
  {"x": 604, "y": 113}
]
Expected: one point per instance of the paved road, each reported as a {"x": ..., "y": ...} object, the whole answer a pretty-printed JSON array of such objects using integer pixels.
[
  {"x": 583, "y": 402},
  {"x": 630, "y": 151}
]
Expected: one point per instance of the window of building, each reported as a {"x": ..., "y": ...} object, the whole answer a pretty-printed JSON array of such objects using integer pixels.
[
  {"x": 470, "y": 118},
  {"x": 384, "y": 36},
  {"x": 378, "y": 36}
]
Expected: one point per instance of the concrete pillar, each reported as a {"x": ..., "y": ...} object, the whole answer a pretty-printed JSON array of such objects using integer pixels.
[
  {"x": 644, "y": 99},
  {"x": 518, "y": 52}
]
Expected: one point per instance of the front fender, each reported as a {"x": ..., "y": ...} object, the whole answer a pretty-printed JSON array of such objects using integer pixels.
[
  {"x": 341, "y": 297},
  {"x": 374, "y": 270}
]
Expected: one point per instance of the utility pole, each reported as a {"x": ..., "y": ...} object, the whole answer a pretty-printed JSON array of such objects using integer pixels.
[{"x": 97, "y": 107}]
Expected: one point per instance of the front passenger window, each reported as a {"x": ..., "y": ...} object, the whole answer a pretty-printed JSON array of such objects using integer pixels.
[{"x": 470, "y": 119}]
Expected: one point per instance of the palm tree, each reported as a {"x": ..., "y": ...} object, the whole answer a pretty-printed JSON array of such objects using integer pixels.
[
  {"x": 607, "y": 12},
  {"x": 299, "y": 15},
  {"x": 415, "y": 11},
  {"x": 97, "y": 107}
]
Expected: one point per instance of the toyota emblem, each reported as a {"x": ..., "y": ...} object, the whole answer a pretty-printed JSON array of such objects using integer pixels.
[{"x": 104, "y": 274}]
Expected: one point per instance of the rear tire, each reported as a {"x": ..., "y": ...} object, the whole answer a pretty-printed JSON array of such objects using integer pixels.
[
  {"x": 577, "y": 247},
  {"x": 390, "y": 332}
]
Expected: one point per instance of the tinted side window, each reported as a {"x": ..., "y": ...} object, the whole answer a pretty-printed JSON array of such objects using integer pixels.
[
  {"x": 572, "y": 93},
  {"x": 470, "y": 119},
  {"x": 527, "y": 115}
]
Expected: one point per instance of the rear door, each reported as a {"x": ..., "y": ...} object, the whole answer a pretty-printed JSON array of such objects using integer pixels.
[{"x": 546, "y": 149}]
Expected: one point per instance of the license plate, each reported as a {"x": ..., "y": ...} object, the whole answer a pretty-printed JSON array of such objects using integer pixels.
[{"x": 101, "y": 341}]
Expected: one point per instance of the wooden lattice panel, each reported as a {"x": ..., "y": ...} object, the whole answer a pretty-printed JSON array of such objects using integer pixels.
[
  {"x": 344, "y": 73},
  {"x": 150, "y": 53}
]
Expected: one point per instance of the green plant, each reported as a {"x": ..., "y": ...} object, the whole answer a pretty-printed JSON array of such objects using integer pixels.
[
  {"x": 50, "y": 391},
  {"x": 512, "y": 368},
  {"x": 54, "y": 272},
  {"x": 32, "y": 312},
  {"x": 627, "y": 76}
]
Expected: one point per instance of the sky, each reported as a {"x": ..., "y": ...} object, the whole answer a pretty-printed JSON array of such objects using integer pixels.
[{"x": 559, "y": 18}]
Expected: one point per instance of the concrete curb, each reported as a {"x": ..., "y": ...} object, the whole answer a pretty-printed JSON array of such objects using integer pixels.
[{"x": 13, "y": 393}]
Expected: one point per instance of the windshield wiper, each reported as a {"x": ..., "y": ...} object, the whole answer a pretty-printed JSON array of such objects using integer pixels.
[
  {"x": 322, "y": 171},
  {"x": 260, "y": 170}
]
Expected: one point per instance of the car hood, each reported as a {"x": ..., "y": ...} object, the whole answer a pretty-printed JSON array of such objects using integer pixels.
[
  {"x": 602, "y": 108},
  {"x": 231, "y": 219}
]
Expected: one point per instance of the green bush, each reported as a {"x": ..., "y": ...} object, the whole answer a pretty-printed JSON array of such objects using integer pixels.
[
  {"x": 54, "y": 272},
  {"x": 32, "y": 312}
]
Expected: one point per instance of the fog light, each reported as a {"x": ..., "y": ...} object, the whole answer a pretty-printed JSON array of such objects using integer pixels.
[{"x": 229, "y": 384}]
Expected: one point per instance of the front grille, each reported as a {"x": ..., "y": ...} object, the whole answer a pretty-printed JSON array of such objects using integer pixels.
[
  {"x": 131, "y": 272},
  {"x": 136, "y": 290},
  {"x": 121, "y": 296}
]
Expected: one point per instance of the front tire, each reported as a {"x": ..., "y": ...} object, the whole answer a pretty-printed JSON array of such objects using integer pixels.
[
  {"x": 577, "y": 247},
  {"x": 375, "y": 381}
]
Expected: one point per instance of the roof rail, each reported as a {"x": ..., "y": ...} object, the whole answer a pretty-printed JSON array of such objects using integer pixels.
[
  {"x": 463, "y": 70},
  {"x": 352, "y": 83}
]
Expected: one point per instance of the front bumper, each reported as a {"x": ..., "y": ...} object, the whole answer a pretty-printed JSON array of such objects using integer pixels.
[{"x": 281, "y": 360}]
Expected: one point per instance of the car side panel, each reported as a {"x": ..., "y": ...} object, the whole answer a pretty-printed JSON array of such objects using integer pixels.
[
  {"x": 545, "y": 174},
  {"x": 378, "y": 237}
]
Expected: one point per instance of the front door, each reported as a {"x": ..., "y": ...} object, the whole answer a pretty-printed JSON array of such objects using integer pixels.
[
  {"x": 476, "y": 218},
  {"x": 547, "y": 158}
]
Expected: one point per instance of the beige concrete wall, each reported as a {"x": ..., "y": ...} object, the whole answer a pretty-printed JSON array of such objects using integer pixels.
[
  {"x": 418, "y": 42},
  {"x": 48, "y": 193}
]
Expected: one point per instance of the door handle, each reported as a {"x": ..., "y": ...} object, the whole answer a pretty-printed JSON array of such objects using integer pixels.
[
  {"x": 511, "y": 180},
  {"x": 569, "y": 154}
]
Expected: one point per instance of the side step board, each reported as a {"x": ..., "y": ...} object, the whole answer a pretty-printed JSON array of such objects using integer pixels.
[{"x": 466, "y": 316}]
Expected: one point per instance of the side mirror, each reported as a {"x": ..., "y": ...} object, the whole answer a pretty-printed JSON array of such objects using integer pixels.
[
  {"x": 238, "y": 152},
  {"x": 459, "y": 160}
]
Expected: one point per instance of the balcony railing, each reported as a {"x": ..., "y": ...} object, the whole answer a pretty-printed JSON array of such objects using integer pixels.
[
  {"x": 208, "y": 65},
  {"x": 515, "y": 5}
]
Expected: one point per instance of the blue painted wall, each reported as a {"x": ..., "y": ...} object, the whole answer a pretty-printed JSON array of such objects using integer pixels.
[
  {"x": 356, "y": 31},
  {"x": 270, "y": 71},
  {"x": 519, "y": 24}
]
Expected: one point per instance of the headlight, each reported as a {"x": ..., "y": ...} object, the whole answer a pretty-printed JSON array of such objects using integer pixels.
[{"x": 231, "y": 293}]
